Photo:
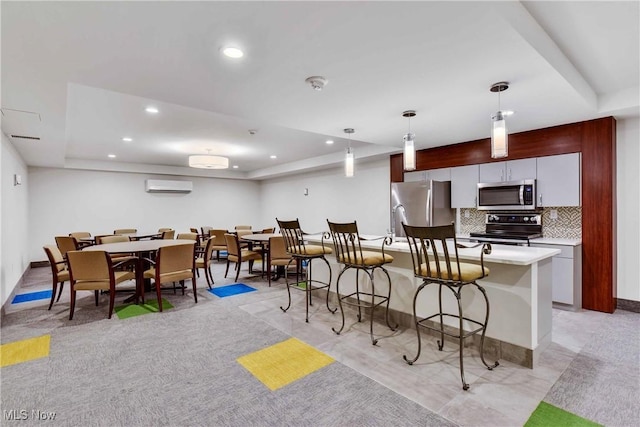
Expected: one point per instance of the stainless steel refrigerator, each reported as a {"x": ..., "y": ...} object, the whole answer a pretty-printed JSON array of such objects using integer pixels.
[{"x": 423, "y": 203}]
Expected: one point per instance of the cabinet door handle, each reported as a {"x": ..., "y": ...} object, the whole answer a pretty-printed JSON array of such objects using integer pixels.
[
  {"x": 540, "y": 199},
  {"x": 509, "y": 174}
]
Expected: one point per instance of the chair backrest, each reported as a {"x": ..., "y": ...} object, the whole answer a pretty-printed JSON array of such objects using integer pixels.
[
  {"x": 163, "y": 229},
  {"x": 168, "y": 234},
  {"x": 243, "y": 227},
  {"x": 346, "y": 242},
  {"x": 193, "y": 230},
  {"x": 80, "y": 234},
  {"x": 66, "y": 244},
  {"x": 204, "y": 232},
  {"x": 175, "y": 258},
  {"x": 55, "y": 258},
  {"x": 293, "y": 236},
  {"x": 243, "y": 232},
  {"x": 233, "y": 248},
  {"x": 208, "y": 251},
  {"x": 100, "y": 240},
  {"x": 430, "y": 253},
  {"x": 90, "y": 265},
  {"x": 277, "y": 249},
  {"x": 268, "y": 230},
  {"x": 217, "y": 235},
  {"x": 187, "y": 236},
  {"x": 125, "y": 231}
]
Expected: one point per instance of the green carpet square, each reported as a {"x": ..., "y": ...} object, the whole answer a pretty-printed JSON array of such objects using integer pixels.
[
  {"x": 132, "y": 310},
  {"x": 547, "y": 415}
]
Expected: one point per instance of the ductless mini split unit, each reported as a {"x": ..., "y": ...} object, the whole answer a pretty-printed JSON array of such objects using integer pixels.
[{"x": 166, "y": 186}]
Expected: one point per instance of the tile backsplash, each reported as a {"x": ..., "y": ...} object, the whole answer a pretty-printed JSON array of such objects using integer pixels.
[{"x": 568, "y": 224}]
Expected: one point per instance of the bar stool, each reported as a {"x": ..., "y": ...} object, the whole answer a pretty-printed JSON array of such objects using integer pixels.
[
  {"x": 301, "y": 253},
  {"x": 349, "y": 253},
  {"x": 433, "y": 263}
]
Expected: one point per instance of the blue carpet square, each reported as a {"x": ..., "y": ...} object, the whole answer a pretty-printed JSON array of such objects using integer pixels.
[
  {"x": 230, "y": 290},
  {"x": 32, "y": 296}
]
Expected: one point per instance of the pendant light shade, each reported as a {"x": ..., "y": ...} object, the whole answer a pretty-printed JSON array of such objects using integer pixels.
[
  {"x": 208, "y": 162},
  {"x": 349, "y": 160},
  {"x": 409, "y": 155},
  {"x": 499, "y": 134}
]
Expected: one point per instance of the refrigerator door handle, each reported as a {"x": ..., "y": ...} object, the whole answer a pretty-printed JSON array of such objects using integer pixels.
[{"x": 429, "y": 219}]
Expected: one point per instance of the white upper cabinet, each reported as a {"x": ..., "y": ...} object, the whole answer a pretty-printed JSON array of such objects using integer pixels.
[
  {"x": 464, "y": 184},
  {"x": 558, "y": 181},
  {"x": 511, "y": 170},
  {"x": 443, "y": 174}
]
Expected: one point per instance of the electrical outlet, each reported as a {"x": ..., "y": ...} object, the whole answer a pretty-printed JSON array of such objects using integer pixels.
[
  {"x": 553, "y": 214},
  {"x": 466, "y": 213}
]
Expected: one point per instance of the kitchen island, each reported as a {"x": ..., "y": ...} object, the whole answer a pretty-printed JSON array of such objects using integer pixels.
[{"x": 518, "y": 288}]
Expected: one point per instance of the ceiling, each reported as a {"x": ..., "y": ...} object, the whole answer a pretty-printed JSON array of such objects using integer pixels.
[{"x": 79, "y": 75}]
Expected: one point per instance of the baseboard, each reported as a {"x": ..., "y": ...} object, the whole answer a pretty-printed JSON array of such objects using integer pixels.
[
  {"x": 13, "y": 292},
  {"x": 38, "y": 264},
  {"x": 628, "y": 305}
]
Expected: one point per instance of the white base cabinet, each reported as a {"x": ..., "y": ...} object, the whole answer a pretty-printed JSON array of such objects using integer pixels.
[{"x": 566, "y": 277}]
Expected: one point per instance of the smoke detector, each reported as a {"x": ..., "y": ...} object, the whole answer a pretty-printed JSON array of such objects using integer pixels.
[{"x": 316, "y": 82}]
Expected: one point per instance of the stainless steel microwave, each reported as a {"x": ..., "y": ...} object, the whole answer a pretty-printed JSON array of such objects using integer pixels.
[{"x": 509, "y": 195}]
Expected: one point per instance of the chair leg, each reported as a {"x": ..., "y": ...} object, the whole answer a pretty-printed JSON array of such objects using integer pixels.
[
  {"x": 340, "y": 301},
  {"x": 112, "y": 299},
  {"x": 227, "y": 270},
  {"x": 238, "y": 270},
  {"x": 417, "y": 325},
  {"x": 72, "y": 303},
  {"x": 393, "y": 328},
  {"x": 159, "y": 296},
  {"x": 286, "y": 281},
  {"x": 193, "y": 284},
  {"x": 53, "y": 294},
  {"x": 97, "y": 294},
  {"x": 484, "y": 330},
  {"x": 60, "y": 291},
  {"x": 207, "y": 275},
  {"x": 465, "y": 386},
  {"x": 329, "y": 286}
]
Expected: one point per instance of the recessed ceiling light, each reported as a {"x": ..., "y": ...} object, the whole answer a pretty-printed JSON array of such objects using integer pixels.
[
  {"x": 329, "y": 141},
  {"x": 127, "y": 139},
  {"x": 152, "y": 110},
  {"x": 112, "y": 156},
  {"x": 273, "y": 156},
  {"x": 507, "y": 112},
  {"x": 232, "y": 52},
  {"x": 235, "y": 166}
]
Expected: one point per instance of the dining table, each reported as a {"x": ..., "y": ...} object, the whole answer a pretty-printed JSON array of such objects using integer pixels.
[{"x": 142, "y": 249}]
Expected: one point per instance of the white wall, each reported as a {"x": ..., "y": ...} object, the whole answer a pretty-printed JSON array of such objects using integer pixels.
[
  {"x": 63, "y": 200},
  {"x": 628, "y": 206},
  {"x": 14, "y": 228},
  {"x": 364, "y": 198}
]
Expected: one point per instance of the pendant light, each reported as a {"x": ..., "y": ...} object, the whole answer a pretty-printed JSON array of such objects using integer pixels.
[
  {"x": 349, "y": 158},
  {"x": 409, "y": 157},
  {"x": 208, "y": 161},
  {"x": 499, "y": 135}
]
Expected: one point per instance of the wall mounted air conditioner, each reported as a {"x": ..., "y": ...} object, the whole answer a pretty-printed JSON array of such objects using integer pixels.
[{"x": 166, "y": 186}]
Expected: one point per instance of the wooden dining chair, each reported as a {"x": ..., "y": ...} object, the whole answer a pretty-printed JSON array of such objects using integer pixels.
[
  {"x": 278, "y": 256},
  {"x": 219, "y": 242},
  {"x": 238, "y": 255},
  {"x": 172, "y": 264},
  {"x": 203, "y": 260},
  {"x": 93, "y": 271},
  {"x": 66, "y": 244},
  {"x": 59, "y": 271}
]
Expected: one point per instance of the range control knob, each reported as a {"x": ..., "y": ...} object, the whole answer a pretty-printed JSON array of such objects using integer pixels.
[{"x": 526, "y": 219}]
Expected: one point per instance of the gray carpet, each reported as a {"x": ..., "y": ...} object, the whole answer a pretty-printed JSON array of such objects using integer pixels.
[
  {"x": 179, "y": 368},
  {"x": 602, "y": 383}
]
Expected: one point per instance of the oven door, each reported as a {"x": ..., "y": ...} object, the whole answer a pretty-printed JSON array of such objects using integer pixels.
[
  {"x": 500, "y": 241},
  {"x": 507, "y": 196}
]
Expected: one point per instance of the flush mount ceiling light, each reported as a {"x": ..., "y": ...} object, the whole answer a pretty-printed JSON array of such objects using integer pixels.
[
  {"x": 151, "y": 109},
  {"x": 208, "y": 161},
  {"x": 349, "y": 159},
  {"x": 499, "y": 135},
  {"x": 409, "y": 157},
  {"x": 317, "y": 82},
  {"x": 329, "y": 141},
  {"x": 127, "y": 139},
  {"x": 111, "y": 156},
  {"x": 232, "y": 52}
]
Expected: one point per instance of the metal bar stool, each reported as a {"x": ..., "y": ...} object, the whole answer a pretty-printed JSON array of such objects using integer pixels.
[
  {"x": 349, "y": 253},
  {"x": 301, "y": 253},
  {"x": 433, "y": 263}
]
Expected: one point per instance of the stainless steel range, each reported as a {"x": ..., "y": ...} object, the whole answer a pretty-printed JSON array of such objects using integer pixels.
[{"x": 510, "y": 228}]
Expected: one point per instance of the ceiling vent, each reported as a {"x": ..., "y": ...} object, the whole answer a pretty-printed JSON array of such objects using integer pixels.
[
  {"x": 317, "y": 82},
  {"x": 19, "y": 124},
  {"x": 166, "y": 186}
]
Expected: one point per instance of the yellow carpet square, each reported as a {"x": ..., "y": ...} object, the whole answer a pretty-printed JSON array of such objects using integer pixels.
[
  {"x": 283, "y": 363},
  {"x": 25, "y": 350}
]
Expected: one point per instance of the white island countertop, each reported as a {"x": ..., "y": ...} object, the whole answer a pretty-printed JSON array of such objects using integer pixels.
[{"x": 502, "y": 254}]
